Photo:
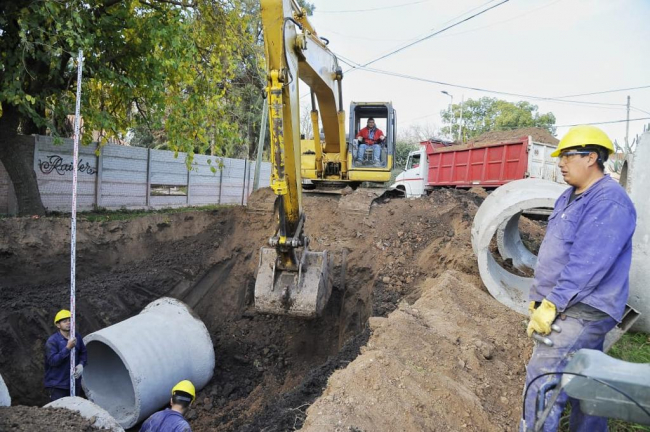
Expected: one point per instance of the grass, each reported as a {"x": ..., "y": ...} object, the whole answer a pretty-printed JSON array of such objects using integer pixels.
[
  {"x": 632, "y": 347},
  {"x": 103, "y": 215}
]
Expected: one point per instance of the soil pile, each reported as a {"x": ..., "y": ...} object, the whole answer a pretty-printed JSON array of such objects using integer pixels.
[
  {"x": 269, "y": 369},
  {"x": 539, "y": 135},
  {"x": 30, "y": 419},
  {"x": 454, "y": 360}
]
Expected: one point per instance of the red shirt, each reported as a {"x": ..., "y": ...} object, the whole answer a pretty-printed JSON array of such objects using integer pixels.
[{"x": 363, "y": 133}]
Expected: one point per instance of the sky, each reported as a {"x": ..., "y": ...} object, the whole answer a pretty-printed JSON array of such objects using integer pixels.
[{"x": 539, "y": 48}]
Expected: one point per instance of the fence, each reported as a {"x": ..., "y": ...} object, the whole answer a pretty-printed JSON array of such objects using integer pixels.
[{"x": 133, "y": 178}]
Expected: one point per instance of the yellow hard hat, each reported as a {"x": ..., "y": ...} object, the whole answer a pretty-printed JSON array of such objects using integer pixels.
[
  {"x": 185, "y": 386},
  {"x": 61, "y": 315},
  {"x": 584, "y": 136}
]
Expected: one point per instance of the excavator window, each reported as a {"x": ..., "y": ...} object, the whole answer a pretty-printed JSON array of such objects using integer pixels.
[{"x": 363, "y": 155}]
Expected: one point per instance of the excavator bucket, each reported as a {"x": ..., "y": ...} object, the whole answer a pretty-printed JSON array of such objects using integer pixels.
[{"x": 303, "y": 293}]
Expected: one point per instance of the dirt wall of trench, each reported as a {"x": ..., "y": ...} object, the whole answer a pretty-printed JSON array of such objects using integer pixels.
[{"x": 269, "y": 369}]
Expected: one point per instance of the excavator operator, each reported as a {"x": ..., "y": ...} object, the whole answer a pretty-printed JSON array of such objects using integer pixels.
[{"x": 370, "y": 136}]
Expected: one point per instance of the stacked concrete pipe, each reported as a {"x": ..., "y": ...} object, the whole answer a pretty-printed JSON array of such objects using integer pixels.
[
  {"x": 503, "y": 208},
  {"x": 5, "y": 399},
  {"x": 635, "y": 177},
  {"x": 133, "y": 365},
  {"x": 88, "y": 410}
]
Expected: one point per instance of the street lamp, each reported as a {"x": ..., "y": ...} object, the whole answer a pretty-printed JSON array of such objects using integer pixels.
[{"x": 451, "y": 103}]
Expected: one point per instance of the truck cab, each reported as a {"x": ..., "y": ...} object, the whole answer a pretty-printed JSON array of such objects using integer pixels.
[{"x": 411, "y": 181}]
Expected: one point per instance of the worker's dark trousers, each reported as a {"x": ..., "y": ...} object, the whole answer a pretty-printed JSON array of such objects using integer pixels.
[
  {"x": 57, "y": 393},
  {"x": 576, "y": 334}
]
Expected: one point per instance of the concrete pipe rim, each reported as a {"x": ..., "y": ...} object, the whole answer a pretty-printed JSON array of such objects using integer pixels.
[{"x": 130, "y": 417}]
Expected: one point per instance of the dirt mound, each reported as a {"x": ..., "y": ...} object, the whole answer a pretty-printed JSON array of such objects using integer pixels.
[
  {"x": 539, "y": 135},
  {"x": 30, "y": 419},
  {"x": 269, "y": 369},
  {"x": 454, "y": 360}
]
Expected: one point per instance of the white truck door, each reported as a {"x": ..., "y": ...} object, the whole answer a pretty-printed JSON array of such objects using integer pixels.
[
  {"x": 412, "y": 180},
  {"x": 541, "y": 164}
]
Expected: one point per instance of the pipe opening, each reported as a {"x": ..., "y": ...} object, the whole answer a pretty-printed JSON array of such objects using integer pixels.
[{"x": 108, "y": 382}]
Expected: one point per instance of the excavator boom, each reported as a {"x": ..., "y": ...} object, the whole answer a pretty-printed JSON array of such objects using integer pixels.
[{"x": 292, "y": 280}]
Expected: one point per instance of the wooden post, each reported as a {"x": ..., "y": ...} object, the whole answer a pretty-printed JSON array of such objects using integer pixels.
[
  {"x": 243, "y": 188},
  {"x": 189, "y": 171},
  {"x": 98, "y": 178},
  {"x": 148, "y": 200},
  {"x": 220, "y": 182}
]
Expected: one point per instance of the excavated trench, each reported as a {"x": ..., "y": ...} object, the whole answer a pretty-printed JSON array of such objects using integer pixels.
[{"x": 268, "y": 369}]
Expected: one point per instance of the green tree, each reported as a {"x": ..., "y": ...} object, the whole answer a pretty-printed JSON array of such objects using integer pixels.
[
  {"x": 161, "y": 64},
  {"x": 490, "y": 114}
]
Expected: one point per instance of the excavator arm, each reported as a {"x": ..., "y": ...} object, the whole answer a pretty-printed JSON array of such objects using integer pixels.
[{"x": 291, "y": 279}]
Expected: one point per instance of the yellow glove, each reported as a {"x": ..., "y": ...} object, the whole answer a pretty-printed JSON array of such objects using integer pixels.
[
  {"x": 542, "y": 318},
  {"x": 531, "y": 308}
]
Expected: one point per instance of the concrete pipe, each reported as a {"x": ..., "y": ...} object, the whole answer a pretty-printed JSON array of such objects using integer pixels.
[
  {"x": 636, "y": 179},
  {"x": 5, "y": 399},
  {"x": 88, "y": 410},
  {"x": 133, "y": 365},
  {"x": 512, "y": 247},
  {"x": 504, "y": 206}
]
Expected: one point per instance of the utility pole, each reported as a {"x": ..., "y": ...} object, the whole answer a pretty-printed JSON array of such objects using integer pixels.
[
  {"x": 460, "y": 129},
  {"x": 627, "y": 123},
  {"x": 451, "y": 113}
]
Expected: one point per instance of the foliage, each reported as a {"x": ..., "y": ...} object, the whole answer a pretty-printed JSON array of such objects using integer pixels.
[
  {"x": 632, "y": 347},
  {"x": 149, "y": 65},
  {"x": 616, "y": 164},
  {"x": 489, "y": 114},
  {"x": 402, "y": 150}
]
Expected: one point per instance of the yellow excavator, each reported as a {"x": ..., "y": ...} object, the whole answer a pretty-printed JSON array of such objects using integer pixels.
[{"x": 291, "y": 279}]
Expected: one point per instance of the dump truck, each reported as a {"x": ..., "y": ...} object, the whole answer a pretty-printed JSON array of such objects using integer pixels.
[{"x": 489, "y": 165}]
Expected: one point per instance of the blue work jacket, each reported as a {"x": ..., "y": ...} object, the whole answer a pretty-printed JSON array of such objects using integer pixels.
[
  {"x": 166, "y": 421},
  {"x": 587, "y": 250},
  {"x": 57, "y": 360}
]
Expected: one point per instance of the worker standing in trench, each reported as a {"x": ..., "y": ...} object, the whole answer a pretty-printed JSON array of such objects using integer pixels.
[
  {"x": 172, "y": 419},
  {"x": 581, "y": 279},
  {"x": 57, "y": 358}
]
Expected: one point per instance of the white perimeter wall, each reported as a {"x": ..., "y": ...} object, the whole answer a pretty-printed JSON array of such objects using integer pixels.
[{"x": 121, "y": 177}]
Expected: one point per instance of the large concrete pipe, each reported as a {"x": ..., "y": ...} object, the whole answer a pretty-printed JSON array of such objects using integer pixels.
[
  {"x": 101, "y": 418},
  {"x": 5, "y": 399},
  {"x": 504, "y": 206},
  {"x": 636, "y": 179},
  {"x": 133, "y": 365},
  {"x": 512, "y": 247}
]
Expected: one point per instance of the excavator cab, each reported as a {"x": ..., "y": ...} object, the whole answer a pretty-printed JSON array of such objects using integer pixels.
[{"x": 361, "y": 166}]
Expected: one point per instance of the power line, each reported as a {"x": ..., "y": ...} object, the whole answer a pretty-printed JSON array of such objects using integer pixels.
[
  {"x": 640, "y": 110},
  {"x": 373, "y": 9},
  {"x": 603, "y": 92},
  {"x": 523, "y": 96},
  {"x": 504, "y": 21},
  {"x": 605, "y": 122},
  {"x": 433, "y": 34}
]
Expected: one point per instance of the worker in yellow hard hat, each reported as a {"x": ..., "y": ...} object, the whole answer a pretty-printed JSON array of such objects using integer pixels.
[
  {"x": 57, "y": 358},
  {"x": 581, "y": 279},
  {"x": 172, "y": 419}
]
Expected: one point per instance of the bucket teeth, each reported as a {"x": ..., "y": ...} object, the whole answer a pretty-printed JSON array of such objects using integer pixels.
[{"x": 303, "y": 293}]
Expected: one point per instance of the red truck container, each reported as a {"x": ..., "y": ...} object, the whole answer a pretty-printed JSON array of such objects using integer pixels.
[{"x": 487, "y": 165}]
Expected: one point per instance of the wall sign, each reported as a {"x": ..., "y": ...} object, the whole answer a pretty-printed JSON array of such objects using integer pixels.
[{"x": 54, "y": 163}]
